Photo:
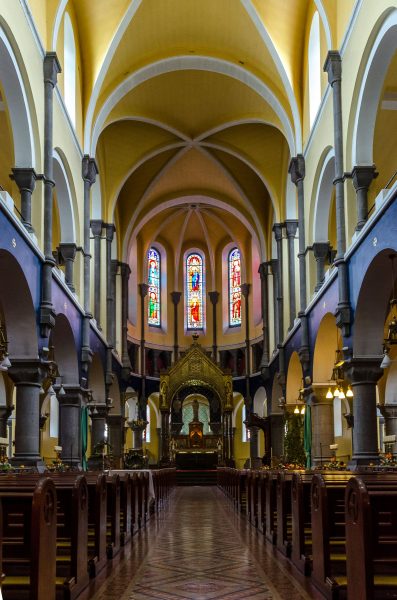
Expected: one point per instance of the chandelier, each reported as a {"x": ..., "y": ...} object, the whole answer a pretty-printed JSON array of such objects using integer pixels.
[
  {"x": 300, "y": 406},
  {"x": 391, "y": 335},
  {"x": 5, "y": 362},
  {"x": 338, "y": 377}
]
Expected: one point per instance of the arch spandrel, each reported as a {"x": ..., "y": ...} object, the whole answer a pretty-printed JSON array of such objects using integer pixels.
[{"x": 195, "y": 369}]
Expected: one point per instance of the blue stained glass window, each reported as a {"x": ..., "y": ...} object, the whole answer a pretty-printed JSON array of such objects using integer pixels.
[
  {"x": 195, "y": 291},
  {"x": 154, "y": 290},
  {"x": 234, "y": 288}
]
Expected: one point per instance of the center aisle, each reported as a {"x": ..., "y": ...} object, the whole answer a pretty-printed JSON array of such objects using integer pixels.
[{"x": 200, "y": 550}]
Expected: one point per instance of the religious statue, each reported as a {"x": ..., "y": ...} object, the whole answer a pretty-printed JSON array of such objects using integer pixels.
[{"x": 172, "y": 450}]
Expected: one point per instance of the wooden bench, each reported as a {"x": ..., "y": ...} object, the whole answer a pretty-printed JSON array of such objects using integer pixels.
[
  {"x": 262, "y": 483},
  {"x": 28, "y": 537},
  {"x": 371, "y": 536},
  {"x": 301, "y": 540},
  {"x": 284, "y": 512},
  {"x": 125, "y": 508},
  {"x": 113, "y": 515},
  {"x": 252, "y": 481},
  {"x": 271, "y": 506}
]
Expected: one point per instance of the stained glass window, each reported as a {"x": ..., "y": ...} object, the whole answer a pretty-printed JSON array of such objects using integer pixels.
[
  {"x": 195, "y": 290},
  {"x": 234, "y": 288},
  {"x": 154, "y": 287}
]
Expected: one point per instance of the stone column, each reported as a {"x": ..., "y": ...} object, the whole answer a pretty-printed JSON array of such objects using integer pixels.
[
  {"x": 165, "y": 436},
  {"x": 214, "y": 297},
  {"x": 26, "y": 182},
  {"x": 264, "y": 366},
  {"x": 96, "y": 228},
  {"x": 322, "y": 425},
  {"x": 125, "y": 276},
  {"x": 98, "y": 420},
  {"x": 175, "y": 297},
  {"x": 389, "y": 412},
  {"x": 333, "y": 67},
  {"x": 27, "y": 377},
  {"x": 51, "y": 69},
  {"x": 321, "y": 253},
  {"x": 297, "y": 172},
  {"x": 362, "y": 177},
  {"x": 116, "y": 438},
  {"x": 143, "y": 290},
  {"x": 274, "y": 272},
  {"x": 89, "y": 172},
  {"x": 291, "y": 226},
  {"x": 364, "y": 374},
  {"x": 278, "y": 235},
  {"x": 114, "y": 267},
  {"x": 227, "y": 437},
  {"x": 109, "y": 229},
  {"x": 68, "y": 253},
  {"x": 70, "y": 406}
]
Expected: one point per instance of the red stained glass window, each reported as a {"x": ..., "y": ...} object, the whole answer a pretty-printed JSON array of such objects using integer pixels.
[
  {"x": 195, "y": 290},
  {"x": 234, "y": 288},
  {"x": 154, "y": 287}
]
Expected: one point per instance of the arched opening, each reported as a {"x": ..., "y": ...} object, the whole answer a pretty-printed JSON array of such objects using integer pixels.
[
  {"x": 314, "y": 62},
  {"x": 69, "y": 68}
]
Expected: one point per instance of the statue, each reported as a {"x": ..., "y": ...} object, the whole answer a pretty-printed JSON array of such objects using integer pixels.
[{"x": 172, "y": 450}]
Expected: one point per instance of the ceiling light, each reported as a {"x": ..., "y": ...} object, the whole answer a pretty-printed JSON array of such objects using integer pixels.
[
  {"x": 342, "y": 394},
  {"x": 296, "y": 411},
  {"x": 336, "y": 392},
  {"x": 302, "y": 410},
  {"x": 349, "y": 393},
  {"x": 329, "y": 395}
]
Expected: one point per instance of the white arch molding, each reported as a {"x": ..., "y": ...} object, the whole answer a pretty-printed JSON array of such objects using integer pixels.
[
  {"x": 17, "y": 103},
  {"x": 323, "y": 197},
  {"x": 64, "y": 197},
  {"x": 372, "y": 81},
  {"x": 184, "y": 63}
]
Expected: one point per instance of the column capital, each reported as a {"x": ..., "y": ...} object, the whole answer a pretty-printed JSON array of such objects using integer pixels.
[
  {"x": 321, "y": 250},
  {"x": 100, "y": 411},
  {"x": 68, "y": 250},
  {"x": 96, "y": 227},
  {"x": 263, "y": 270},
  {"x": 175, "y": 297},
  {"x": 125, "y": 270},
  {"x": 110, "y": 229},
  {"x": 278, "y": 231},
  {"x": 363, "y": 175},
  {"x": 26, "y": 372},
  {"x": 388, "y": 411},
  {"x": 73, "y": 396},
  {"x": 89, "y": 169},
  {"x": 214, "y": 297},
  {"x": 297, "y": 169},
  {"x": 364, "y": 370},
  {"x": 143, "y": 289},
  {"x": 291, "y": 227},
  {"x": 25, "y": 178},
  {"x": 51, "y": 68},
  {"x": 245, "y": 289},
  {"x": 333, "y": 66},
  {"x": 273, "y": 264},
  {"x": 114, "y": 266}
]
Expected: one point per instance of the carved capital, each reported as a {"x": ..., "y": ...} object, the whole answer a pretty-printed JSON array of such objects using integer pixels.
[
  {"x": 175, "y": 297},
  {"x": 89, "y": 169},
  {"x": 125, "y": 270},
  {"x": 333, "y": 66},
  {"x": 96, "y": 227},
  {"x": 51, "y": 68},
  {"x": 26, "y": 372},
  {"x": 297, "y": 169},
  {"x": 362, "y": 176},
  {"x": 278, "y": 231},
  {"x": 263, "y": 270},
  {"x": 143, "y": 289},
  {"x": 24, "y": 178},
  {"x": 291, "y": 227},
  {"x": 364, "y": 370},
  {"x": 245, "y": 289},
  {"x": 214, "y": 297},
  {"x": 321, "y": 250},
  {"x": 273, "y": 266},
  {"x": 68, "y": 251},
  {"x": 109, "y": 229}
]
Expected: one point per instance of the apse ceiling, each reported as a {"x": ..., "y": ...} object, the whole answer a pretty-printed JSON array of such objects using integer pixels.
[{"x": 192, "y": 109}]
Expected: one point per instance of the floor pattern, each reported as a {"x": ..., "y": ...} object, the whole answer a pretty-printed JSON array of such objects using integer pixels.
[{"x": 200, "y": 550}]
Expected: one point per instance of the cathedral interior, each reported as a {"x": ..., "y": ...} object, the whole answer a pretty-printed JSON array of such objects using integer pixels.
[{"x": 198, "y": 304}]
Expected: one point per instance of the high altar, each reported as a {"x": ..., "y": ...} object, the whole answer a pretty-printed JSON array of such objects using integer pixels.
[{"x": 197, "y": 381}]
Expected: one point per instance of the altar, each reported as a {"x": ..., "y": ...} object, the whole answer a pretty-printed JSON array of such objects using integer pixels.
[{"x": 196, "y": 459}]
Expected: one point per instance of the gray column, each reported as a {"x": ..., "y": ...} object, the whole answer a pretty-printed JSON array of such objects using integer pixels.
[
  {"x": 175, "y": 297},
  {"x": 291, "y": 226},
  {"x": 364, "y": 374},
  {"x": 362, "y": 177},
  {"x": 89, "y": 172},
  {"x": 297, "y": 172},
  {"x": 51, "y": 68},
  {"x": 98, "y": 416},
  {"x": 68, "y": 253},
  {"x": 114, "y": 268},
  {"x": 321, "y": 254},
  {"x": 125, "y": 275},
  {"x": 96, "y": 228},
  {"x": 109, "y": 229},
  {"x": 333, "y": 67},
  {"x": 26, "y": 182},
  {"x": 27, "y": 377},
  {"x": 214, "y": 297},
  {"x": 277, "y": 432},
  {"x": 278, "y": 235},
  {"x": 389, "y": 412},
  {"x": 143, "y": 290},
  {"x": 70, "y": 406},
  {"x": 116, "y": 438},
  {"x": 322, "y": 425},
  {"x": 274, "y": 271},
  {"x": 264, "y": 366}
]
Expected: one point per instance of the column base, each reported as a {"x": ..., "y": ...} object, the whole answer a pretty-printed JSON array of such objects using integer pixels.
[
  {"x": 363, "y": 461},
  {"x": 35, "y": 462}
]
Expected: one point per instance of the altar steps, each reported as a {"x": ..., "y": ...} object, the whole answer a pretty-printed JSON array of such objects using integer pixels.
[{"x": 196, "y": 477}]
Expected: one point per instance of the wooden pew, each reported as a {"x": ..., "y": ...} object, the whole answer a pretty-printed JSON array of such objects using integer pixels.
[
  {"x": 301, "y": 540},
  {"x": 241, "y": 490},
  {"x": 262, "y": 482},
  {"x": 371, "y": 536},
  {"x": 125, "y": 508},
  {"x": 271, "y": 506},
  {"x": 252, "y": 481},
  {"x": 113, "y": 514},
  {"x": 29, "y": 537},
  {"x": 284, "y": 512}
]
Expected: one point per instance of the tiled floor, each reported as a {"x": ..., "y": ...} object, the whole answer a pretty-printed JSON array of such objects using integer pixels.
[{"x": 199, "y": 549}]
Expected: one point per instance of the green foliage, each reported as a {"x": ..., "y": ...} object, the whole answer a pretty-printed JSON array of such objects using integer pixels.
[{"x": 293, "y": 441}]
